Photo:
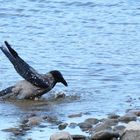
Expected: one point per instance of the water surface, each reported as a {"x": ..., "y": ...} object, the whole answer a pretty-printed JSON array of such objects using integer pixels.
[{"x": 94, "y": 43}]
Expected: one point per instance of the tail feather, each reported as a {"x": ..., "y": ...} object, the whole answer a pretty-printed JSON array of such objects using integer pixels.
[
  {"x": 6, "y": 91},
  {"x": 12, "y": 51}
]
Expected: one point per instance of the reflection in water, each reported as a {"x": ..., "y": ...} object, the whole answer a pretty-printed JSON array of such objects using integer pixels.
[{"x": 94, "y": 43}]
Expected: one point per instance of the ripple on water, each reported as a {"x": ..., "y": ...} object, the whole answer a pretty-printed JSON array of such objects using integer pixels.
[{"x": 95, "y": 44}]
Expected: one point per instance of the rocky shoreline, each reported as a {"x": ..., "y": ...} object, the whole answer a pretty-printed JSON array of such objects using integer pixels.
[{"x": 113, "y": 127}]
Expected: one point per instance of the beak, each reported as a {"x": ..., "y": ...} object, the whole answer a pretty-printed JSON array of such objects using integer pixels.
[{"x": 64, "y": 82}]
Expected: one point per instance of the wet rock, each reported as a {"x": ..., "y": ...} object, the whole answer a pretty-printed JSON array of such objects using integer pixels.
[
  {"x": 113, "y": 116},
  {"x": 79, "y": 137},
  {"x": 62, "y": 126},
  {"x": 104, "y": 135},
  {"x": 75, "y": 115},
  {"x": 131, "y": 135},
  {"x": 34, "y": 121},
  {"x": 53, "y": 120},
  {"x": 132, "y": 131},
  {"x": 133, "y": 126},
  {"x": 61, "y": 136},
  {"x": 119, "y": 129},
  {"x": 15, "y": 131},
  {"x": 72, "y": 125},
  {"x": 128, "y": 117},
  {"x": 110, "y": 122},
  {"x": 85, "y": 126},
  {"x": 105, "y": 125},
  {"x": 92, "y": 121},
  {"x": 45, "y": 117},
  {"x": 136, "y": 112}
]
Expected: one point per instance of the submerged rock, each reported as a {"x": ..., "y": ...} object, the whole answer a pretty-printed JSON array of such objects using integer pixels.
[
  {"x": 60, "y": 95},
  {"x": 72, "y": 125},
  {"x": 75, "y": 115},
  {"x": 34, "y": 121},
  {"x": 61, "y": 136},
  {"x": 15, "y": 131}
]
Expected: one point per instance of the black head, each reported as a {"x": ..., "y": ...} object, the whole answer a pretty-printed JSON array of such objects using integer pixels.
[{"x": 58, "y": 77}]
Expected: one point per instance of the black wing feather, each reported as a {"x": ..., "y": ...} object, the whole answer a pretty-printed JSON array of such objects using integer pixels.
[{"x": 26, "y": 71}]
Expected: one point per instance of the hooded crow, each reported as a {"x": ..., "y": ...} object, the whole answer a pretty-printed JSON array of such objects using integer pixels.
[{"x": 35, "y": 84}]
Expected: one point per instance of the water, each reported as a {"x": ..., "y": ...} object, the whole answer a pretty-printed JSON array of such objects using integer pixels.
[{"x": 94, "y": 43}]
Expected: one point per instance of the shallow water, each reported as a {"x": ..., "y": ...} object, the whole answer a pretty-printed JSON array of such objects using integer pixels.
[{"x": 94, "y": 43}]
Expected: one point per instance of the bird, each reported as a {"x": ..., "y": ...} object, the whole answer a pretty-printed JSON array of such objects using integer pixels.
[{"x": 34, "y": 83}]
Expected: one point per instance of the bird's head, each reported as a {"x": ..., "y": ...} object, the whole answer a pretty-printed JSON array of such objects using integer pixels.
[{"x": 58, "y": 77}]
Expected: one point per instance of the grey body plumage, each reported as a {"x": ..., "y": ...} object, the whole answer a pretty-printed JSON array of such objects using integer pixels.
[{"x": 35, "y": 84}]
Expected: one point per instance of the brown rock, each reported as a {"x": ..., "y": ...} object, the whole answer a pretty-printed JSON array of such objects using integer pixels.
[
  {"x": 131, "y": 135},
  {"x": 104, "y": 135},
  {"x": 128, "y": 117},
  {"x": 92, "y": 121},
  {"x": 119, "y": 129},
  {"x": 85, "y": 126}
]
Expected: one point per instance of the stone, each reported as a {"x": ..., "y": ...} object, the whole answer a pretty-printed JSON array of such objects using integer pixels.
[
  {"x": 75, "y": 115},
  {"x": 72, "y": 125},
  {"x": 131, "y": 135},
  {"x": 119, "y": 129},
  {"x": 113, "y": 116},
  {"x": 132, "y": 126},
  {"x": 128, "y": 117},
  {"x": 61, "y": 136},
  {"x": 15, "y": 131},
  {"x": 60, "y": 95},
  {"x": 132, "y": 131},
  {"x": 34, "y": 121},
  {"x": 101, "y": 126},
  {"x": 136, "y": 112},
  {"x": 62, "y": 126},
  {"x": 110, "y": 122},
  {"x": 104, "y": 135},
  {"x": 85, "y": 126},
  {"x": 92, "y": 121},
  {"x": 79, "y": 137}
]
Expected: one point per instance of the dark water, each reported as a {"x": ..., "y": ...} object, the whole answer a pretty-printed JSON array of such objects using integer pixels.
[{"x": 94, "y": 43}]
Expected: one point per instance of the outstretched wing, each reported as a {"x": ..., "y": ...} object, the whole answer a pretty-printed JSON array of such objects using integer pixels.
[{"x": 25, "y": 70}]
